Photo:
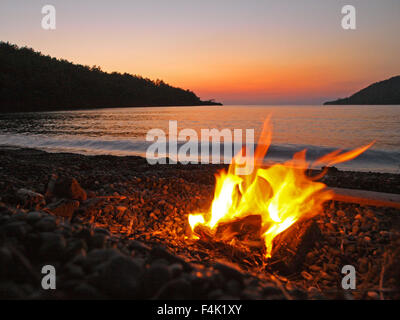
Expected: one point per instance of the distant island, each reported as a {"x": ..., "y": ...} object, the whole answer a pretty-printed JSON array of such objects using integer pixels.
[
  {"x": 31, "y": 81},
  {"x": 383, "y": 92}
]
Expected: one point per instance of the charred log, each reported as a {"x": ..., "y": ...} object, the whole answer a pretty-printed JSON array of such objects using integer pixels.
[
  {"x": 239, "y": 240},
  {"x": 247, "y": 229},
  {"x": 292, "y": 245},
  {"x": 244, "y": 229}
]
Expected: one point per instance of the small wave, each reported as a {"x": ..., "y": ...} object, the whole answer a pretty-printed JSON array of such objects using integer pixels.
[{"x": 68, "y": 144}]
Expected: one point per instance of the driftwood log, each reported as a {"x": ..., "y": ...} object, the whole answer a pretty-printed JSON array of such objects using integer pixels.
[{"x": 369, "y": 198}]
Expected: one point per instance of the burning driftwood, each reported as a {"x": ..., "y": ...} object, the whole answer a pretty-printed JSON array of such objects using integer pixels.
[
  {"x": 247, "y": 229},
  {"x": 239, "y": 239},
  {"x": 242, "y": 238},
  {"x": 264, "y": 207}
]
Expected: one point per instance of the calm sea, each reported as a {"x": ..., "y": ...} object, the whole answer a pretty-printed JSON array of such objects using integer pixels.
[{"x": 319, "y": 129}]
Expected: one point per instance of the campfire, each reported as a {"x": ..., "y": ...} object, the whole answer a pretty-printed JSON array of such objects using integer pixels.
[{"x": 253, "y": 209}]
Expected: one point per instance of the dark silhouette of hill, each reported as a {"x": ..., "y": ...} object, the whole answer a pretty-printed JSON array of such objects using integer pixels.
[
  {"x": 31, "y": 81},
  {"x": 383, "y": 92}
]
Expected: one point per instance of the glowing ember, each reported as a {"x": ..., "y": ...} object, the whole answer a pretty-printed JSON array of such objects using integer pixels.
[{"x": 281, "y": 194}]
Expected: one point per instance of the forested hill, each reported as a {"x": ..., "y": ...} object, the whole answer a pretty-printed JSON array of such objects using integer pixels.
[
  {"x": 383, "y": 92},
  {"x": 31, "y": 81}
]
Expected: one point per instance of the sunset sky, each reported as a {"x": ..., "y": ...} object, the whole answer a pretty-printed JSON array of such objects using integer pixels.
[{"x": 237, "y": 52}]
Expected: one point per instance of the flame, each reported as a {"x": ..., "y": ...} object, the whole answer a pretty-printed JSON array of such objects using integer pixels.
[{"x": 281, "y": 194}]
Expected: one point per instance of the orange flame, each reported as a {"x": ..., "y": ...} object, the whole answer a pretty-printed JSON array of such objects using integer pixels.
[{"x": 281, "y": 194}]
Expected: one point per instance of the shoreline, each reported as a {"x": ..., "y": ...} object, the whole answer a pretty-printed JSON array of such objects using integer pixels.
[
  {"x": 365, "y": 180},
  {"x": 62, "y": 109},
  {"x": 75, "y": 148}
]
